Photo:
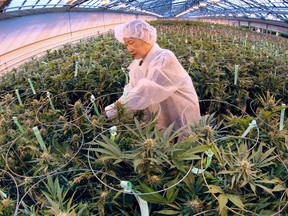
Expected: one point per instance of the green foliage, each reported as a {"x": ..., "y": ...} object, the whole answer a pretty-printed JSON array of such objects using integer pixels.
[{"x": 82, "y": 165}]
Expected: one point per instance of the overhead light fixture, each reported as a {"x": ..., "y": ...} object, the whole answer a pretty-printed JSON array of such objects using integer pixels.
[
  {"x": 132, "y": 8},
  {"x": 270, "y": 16},
  {"x": 122, "y": 5},
  {"x": 202, "y": 4},
  {"x": 148, "y": 12},
  {"x": 178, "y": 15},
  {"x": 105, "y": 2},
  {"x": 215, "y": 1}
]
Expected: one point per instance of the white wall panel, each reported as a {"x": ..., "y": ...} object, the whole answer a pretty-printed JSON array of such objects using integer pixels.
[{"x": 24, "y": 37}]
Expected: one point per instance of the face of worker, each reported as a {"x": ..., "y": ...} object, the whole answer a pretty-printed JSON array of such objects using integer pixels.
[{"x": 137, "y": 47}]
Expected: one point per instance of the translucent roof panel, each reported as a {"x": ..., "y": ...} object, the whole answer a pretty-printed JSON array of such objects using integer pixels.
[
  {"x": 264, "y": 9},
  {"x": 33, "y": 4}
]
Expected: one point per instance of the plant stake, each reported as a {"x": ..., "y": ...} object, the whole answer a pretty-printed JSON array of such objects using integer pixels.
[
  {"x": 92, "y": 98},
  {"x": 18, "y": 96},
  {"x": 51, "y": 103},
  {"x": 15, "y": 119},
  {"x": 236, "y": 74},
  {"x": 282, "y": 117},
  {"x": 31, "y": 86},
  {"x": 3, "y": 195},
  {"x": 76, "y": 69},
  {"x": 39, "y": 138},
  {"x": 251, "y": 125},
  {"x": 142, "y": 203},
  {"x": 209, "y": 154},
  {"x": 113, "y": 132}
]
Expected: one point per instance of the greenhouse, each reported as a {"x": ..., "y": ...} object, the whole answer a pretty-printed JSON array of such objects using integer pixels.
[{"x": 133, "y": 107}]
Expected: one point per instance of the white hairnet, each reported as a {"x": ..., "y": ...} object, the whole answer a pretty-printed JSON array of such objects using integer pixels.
[{"x": 136, "y": 29}]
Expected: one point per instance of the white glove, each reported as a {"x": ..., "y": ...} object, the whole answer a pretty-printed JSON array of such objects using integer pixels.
[{"x": 110, "y": 110}]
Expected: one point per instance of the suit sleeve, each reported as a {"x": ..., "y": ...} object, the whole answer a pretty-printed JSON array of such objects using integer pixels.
[{"x": 160, "y": 83}]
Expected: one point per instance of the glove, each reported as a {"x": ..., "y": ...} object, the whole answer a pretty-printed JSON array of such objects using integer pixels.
[{"x": 110, "y": 110}]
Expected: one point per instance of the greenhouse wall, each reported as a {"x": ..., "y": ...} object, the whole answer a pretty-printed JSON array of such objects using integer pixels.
[
  {"x": 261, "y": 24},
  {"x": 26, "y": 36}
]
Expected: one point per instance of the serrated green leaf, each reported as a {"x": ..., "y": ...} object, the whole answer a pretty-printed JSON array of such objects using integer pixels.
[
  {"x": 222, "y": 199},
  {"x": 266, "y": 154},
  {"x": 227, "y": 172},
  {"x": 267, "y": 162},
  {"x": 174, "y": 206},
  {"x": 108, "y": 144},
  {"x": 267, "y": 181},
  {"x": 171, "y": 194},
  {"x": 253, "y": 187},
  {"x": 224, "y": 212},
  {"x": 178, "y": 165},
  {"x": 136, "y": 163},
  {"x": 168, "y": 212},
  {"x": 209, "y": 175},
  {"x": 198, "y": 149},
  {"x": 189, "y": 157},
  {"x": 103, "y": 151},
  {"x": 236, "y": 200},
  {"x": 278, "y": 187},
  {"x": 214, "y": 150},
  {"x": 153, "y": 197},
  {"x": 215, "y": 189},
  {"x": 268, "y": 190}
]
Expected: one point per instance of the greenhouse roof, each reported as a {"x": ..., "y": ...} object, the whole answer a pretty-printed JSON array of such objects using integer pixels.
[{"x": 263, "y": 9}]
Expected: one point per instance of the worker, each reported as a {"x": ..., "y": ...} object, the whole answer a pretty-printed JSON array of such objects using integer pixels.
[{"x": 157, "y": 81}]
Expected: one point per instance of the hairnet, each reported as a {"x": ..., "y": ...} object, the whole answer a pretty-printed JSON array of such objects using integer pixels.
[{"x": 136, "y": 29}]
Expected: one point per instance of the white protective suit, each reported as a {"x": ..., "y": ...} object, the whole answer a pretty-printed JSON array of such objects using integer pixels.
[{"x": 162, "y": 81}]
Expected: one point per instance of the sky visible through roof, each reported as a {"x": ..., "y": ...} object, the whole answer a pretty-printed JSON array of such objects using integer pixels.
[{"x": 263, "y": 9}]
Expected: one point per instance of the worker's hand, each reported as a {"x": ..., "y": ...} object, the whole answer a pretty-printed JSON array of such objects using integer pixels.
[{"x": 110, "y": 110}]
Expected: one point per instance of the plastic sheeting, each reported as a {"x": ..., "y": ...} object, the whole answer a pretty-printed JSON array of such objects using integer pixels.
[{"x": 162, "y": 81}]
